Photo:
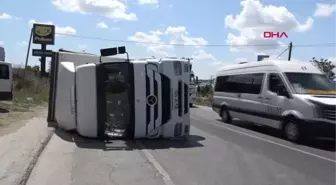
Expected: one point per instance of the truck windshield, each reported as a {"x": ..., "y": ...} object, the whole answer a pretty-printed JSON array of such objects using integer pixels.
[
  {"x": 117, "y": 101},
  {"x": 310, "y": 83}
]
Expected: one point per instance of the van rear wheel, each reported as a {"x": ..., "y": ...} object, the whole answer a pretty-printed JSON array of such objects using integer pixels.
[{"x": 225, "y": 115}]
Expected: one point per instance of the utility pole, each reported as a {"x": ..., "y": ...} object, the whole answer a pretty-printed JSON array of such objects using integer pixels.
[
  {"x": 28, "y": 50},
  {"x": 290, "y": 47}
]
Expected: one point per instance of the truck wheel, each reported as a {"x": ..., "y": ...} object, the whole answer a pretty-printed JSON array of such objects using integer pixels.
[
  {"x": 293, "y": 131},
  {"x": 225, "y": 115}
]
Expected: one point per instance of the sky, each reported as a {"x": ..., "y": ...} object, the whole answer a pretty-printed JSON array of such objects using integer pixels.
[{"x": 213, "y": 32}]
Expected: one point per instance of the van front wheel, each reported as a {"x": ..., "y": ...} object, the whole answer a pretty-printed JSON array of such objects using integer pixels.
[
  {"x": 293, "y": 131},
  {"x": 225, "y": 115}
]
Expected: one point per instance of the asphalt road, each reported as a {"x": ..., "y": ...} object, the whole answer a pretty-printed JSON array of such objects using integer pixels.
[{"x": 216, "y": 153}]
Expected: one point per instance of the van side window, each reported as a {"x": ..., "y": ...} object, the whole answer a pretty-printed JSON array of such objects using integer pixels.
[
  {"x": 274, "y": 82},
  {"x": 246, "y": 83},
  {"x": 255, "y": 83},
  {"x": 177, "y": 68},
  {"x": 220, "y": 85},
  {"x": 4, "y": 71}
]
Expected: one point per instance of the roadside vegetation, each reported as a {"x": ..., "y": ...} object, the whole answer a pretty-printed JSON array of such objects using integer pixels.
[
  {"x": 30, "y": 95},
  {"x": 204, "y": 92}
]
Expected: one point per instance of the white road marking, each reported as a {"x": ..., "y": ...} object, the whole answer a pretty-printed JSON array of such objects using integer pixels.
[
  {"x": 278, "y": 144},
  {"x": 156, "y": 164}
]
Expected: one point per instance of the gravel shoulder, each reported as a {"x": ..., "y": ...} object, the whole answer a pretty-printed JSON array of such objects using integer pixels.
[
  {"x": 23, "y": 135},
  {"x": 13, "y": 117}
]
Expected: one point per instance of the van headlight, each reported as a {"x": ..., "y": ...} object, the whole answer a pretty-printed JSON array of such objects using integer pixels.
[{"x": 318, "y": 111}]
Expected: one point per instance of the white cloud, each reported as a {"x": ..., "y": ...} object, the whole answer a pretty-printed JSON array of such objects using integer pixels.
[
  {"x": 202, "y": 57},
  {"x": 162, "y": 43},
  {"x": 67, "y": 30},
  {"x": 2, "y": 43},
  {"x": 32, "y": 21},
  {"x": 5, "y": 16},
  {"x": 22, "y": 43},
  {"x": 102, "y": 25},
  {"x": 332, "y": 59},
  {"x": 147, "y": 40},
  {"x": 177, "y": 41},
  {"x": 82, "y": 46},
  {"x": 324, "y": 10},
  {"x": 115, "y": 28},
  {"x": 180, "y": 35},
  {"x": 113, "y": 9},
  {"x": 142, "y": 2},
  {"x": 256, "y": 18}
]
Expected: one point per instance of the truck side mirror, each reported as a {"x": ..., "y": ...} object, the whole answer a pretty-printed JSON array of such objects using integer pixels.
[{"x": 196, "y": 79}]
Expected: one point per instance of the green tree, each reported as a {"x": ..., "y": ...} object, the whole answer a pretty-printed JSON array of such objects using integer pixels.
[
  {"x": 205, "y": 90},
  {"x": 36, "y": 68},
  {"x": 325, "y": 66}
]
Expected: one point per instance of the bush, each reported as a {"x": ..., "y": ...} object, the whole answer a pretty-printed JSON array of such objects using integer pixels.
[
  {"x": 205, "y": 101},
  {"x": 28, "y": 88}
]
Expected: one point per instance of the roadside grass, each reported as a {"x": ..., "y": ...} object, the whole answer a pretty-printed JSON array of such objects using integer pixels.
[
  {"x": 29, "y": 91},
  {"x": 203, "y": 100}
]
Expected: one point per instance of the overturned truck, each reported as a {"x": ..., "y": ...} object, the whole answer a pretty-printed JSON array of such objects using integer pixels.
[{"x": 100, "y": 96}]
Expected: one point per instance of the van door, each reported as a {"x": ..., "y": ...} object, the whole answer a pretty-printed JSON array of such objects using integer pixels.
[
  {"x": 6, "y": 81},
  {"x": 251, "y": 105},
  {"x": 276, "y": 99}
]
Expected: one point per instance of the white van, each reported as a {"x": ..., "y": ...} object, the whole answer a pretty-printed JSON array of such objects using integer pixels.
[
  {"x": 293, "y": 96},
  {"x": 6, "y": 78}
]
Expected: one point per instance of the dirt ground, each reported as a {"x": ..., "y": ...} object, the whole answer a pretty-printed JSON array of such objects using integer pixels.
[{"x": 14, "y": 117}]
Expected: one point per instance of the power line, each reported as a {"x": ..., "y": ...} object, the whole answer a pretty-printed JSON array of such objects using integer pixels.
[
  {"x": 200, "y": 45},
  {"x": 282, "y": 52}
]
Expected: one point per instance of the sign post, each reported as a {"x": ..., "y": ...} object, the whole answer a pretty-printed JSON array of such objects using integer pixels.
[{"x": 45, "y": 35}]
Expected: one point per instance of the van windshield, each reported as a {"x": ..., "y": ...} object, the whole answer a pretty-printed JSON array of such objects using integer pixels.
[{"x": 310, "y": 83}]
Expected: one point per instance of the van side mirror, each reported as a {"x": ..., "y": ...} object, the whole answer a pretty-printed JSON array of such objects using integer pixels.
[{"x": 281, "y": 91}]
